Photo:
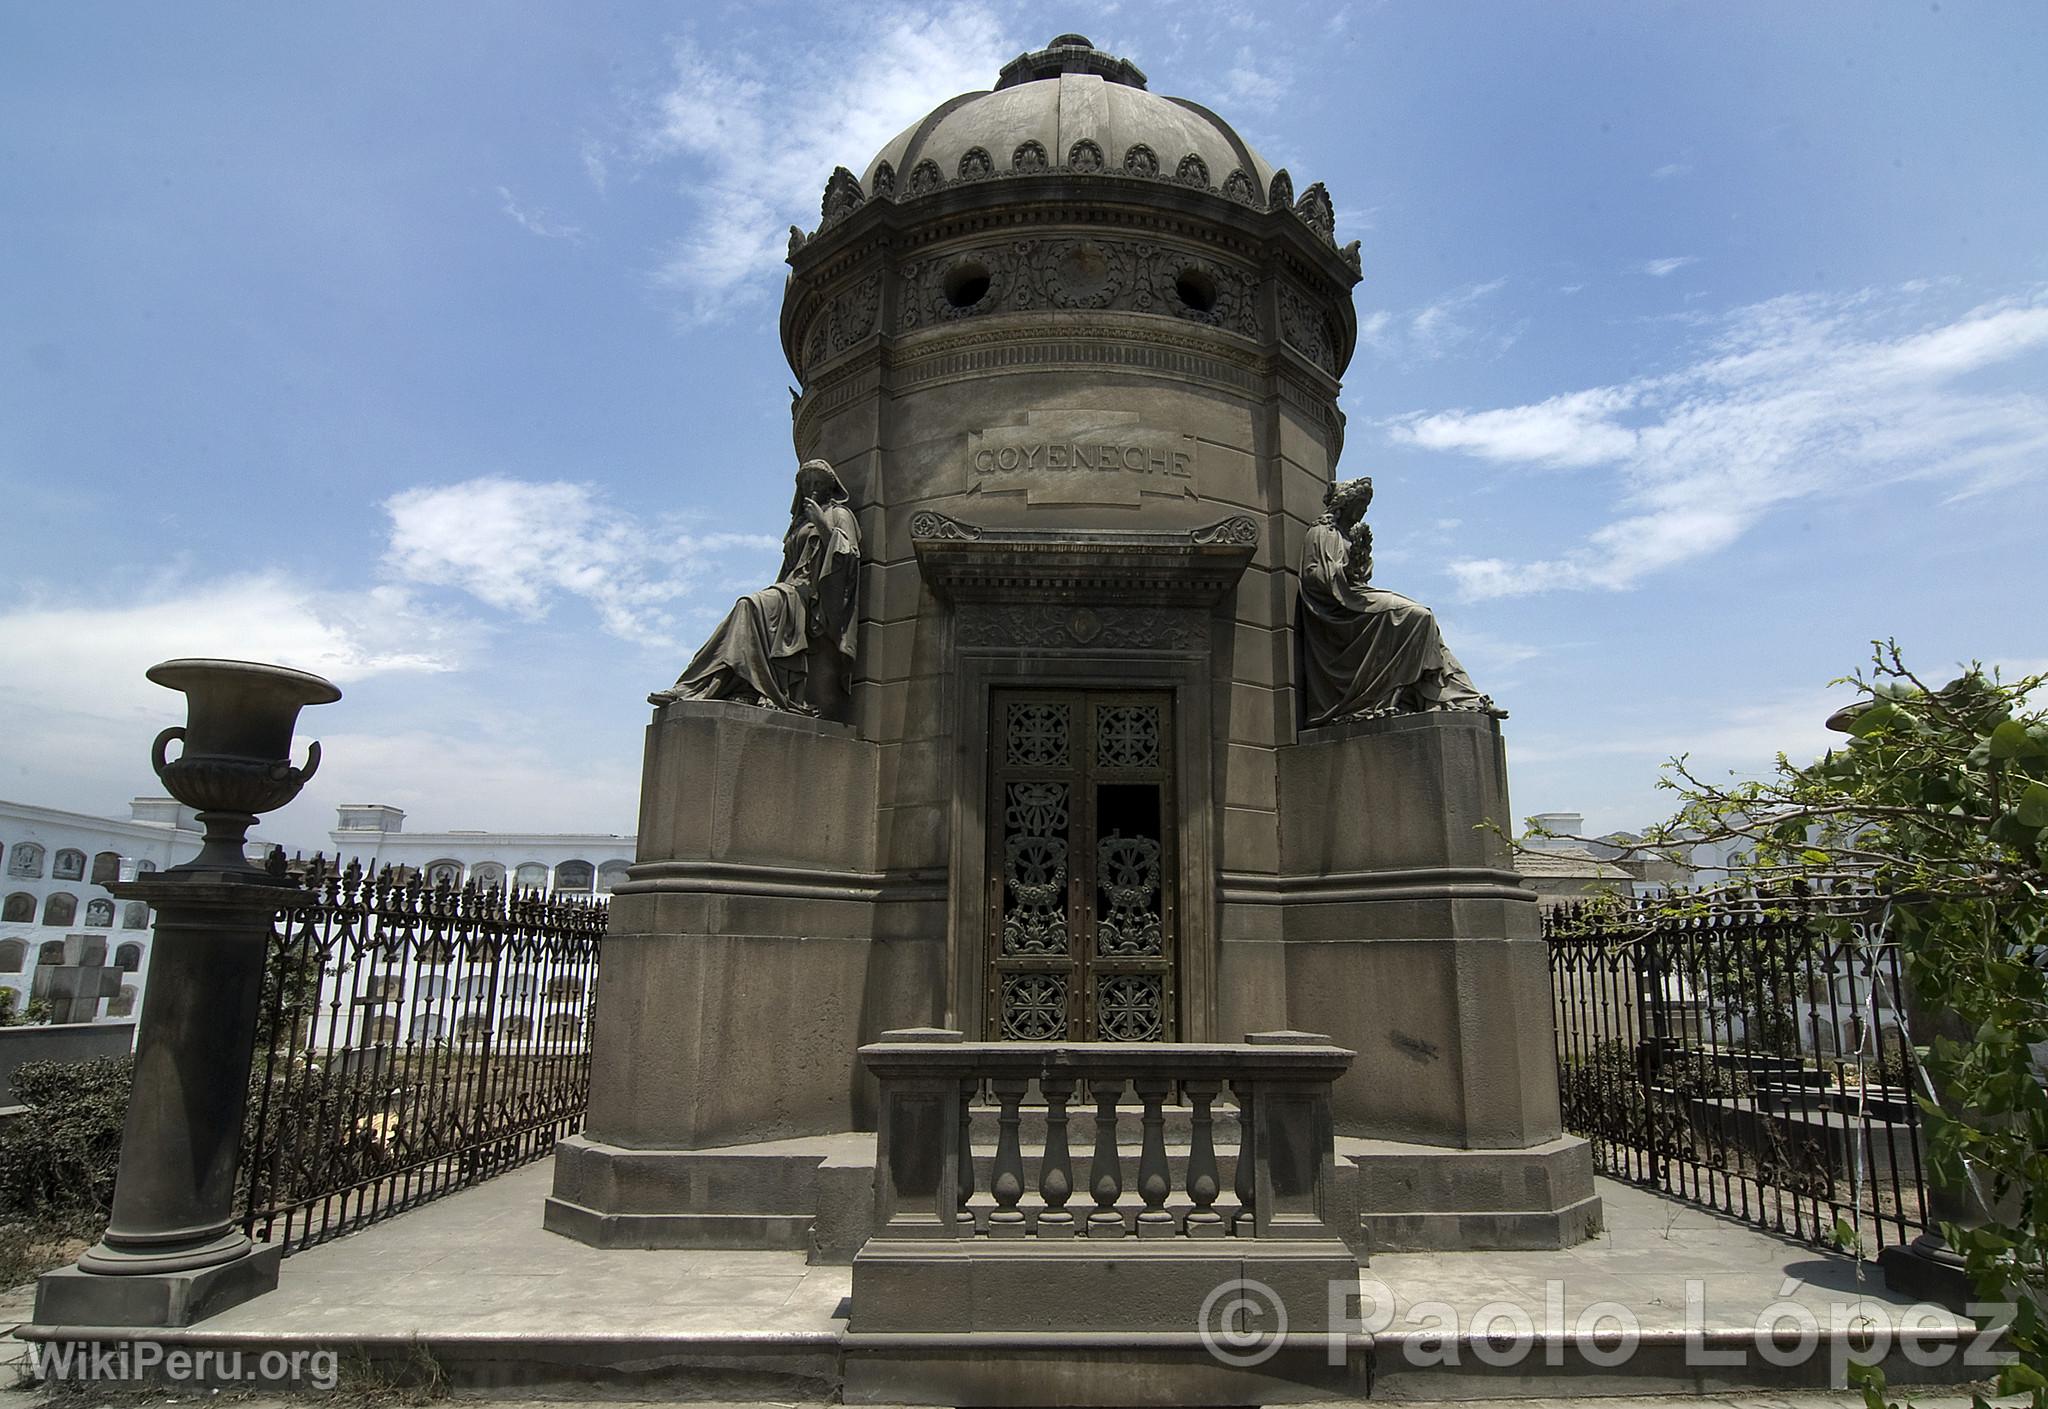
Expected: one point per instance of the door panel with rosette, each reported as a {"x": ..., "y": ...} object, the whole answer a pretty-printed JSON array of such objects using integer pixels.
[{"x": 1081, "y": 912}]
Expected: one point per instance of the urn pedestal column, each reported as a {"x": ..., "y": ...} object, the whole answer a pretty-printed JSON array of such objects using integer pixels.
[{"x": 173, "y": 1253}]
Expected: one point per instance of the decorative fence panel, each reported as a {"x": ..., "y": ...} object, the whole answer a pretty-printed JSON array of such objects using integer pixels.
[
  {"x": 413, "y": 1040},
  {"x": 1750, "y": 1057}
]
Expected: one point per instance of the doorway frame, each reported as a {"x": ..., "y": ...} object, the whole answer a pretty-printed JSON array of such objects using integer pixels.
[{"x": 1183, "y": 675}]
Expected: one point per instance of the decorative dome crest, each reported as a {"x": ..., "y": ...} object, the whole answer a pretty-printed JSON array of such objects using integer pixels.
[{"x": 1070, "y": 53}]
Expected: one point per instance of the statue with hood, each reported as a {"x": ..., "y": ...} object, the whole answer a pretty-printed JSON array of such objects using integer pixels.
[
  {"x": 790, "y": 646},
  {"x": 1368, "y": 652}
]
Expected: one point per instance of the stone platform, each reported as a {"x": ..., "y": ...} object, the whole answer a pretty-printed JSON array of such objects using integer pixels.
[
  {"x": 475, "y": 1283},
  {"x": 815, "y": 1194}
]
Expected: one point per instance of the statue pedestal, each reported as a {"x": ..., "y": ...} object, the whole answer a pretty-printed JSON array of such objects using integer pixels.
[
  {"x": 735, "y": 982},
  {"x": 1409, "y": 938}
]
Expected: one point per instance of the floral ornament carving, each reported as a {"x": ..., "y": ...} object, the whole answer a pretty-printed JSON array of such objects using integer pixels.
[
  {"x": 1030, "y": 158},
  {"x": 1192, "y": 171},
  {"x": 1127, "y": 1008},
  {"x": 1127, "y": 871},
  {"x": 1304, "y": 326},
  {"x": 976, "y": 164},
  {"x": 1240, "y": 531},
  {"x": 1034, "y": 1007},
  {"x": 885, "y": 182},
  {"x": 1035, "y": 868},
  {"x": 1141, "y": 160},
  {"x": 1084, "y": 156},
  {"x": 1316, "y": 212},
  {"x": 927, "y": 524},
  {"x": 1127, "y": 736},
  {"x": 843, "y": 195},
  {"x": 925, "y": 178},
  {"x": 1038, "y": 735},
  {"x": 1280, "y": 196},
  {"x": 1238, "y": 186}
]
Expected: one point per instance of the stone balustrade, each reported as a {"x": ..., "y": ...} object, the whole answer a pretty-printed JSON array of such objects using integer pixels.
[{"x": 924, "y": 1173}]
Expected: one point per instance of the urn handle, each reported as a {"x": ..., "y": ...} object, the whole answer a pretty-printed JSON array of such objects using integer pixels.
[
  {"x": 156, "y": 752},
  {"x": 298, "y": 775}
]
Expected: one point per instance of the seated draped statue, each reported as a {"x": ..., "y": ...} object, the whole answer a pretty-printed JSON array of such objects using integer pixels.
[
  {"x": 768, "y": 649},
  {"x": 1367, "y": 652}
]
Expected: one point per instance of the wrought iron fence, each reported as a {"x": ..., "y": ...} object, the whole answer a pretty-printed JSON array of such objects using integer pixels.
[
  {"x": 1745, "y": 1052},
  {"x": 414, "y": 1039}
]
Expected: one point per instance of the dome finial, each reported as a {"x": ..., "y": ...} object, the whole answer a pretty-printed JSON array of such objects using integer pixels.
[{"x": 1069, "y": 53}]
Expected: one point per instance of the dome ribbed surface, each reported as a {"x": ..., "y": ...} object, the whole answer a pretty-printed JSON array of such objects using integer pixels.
[{"x": 1078, "y": 120}]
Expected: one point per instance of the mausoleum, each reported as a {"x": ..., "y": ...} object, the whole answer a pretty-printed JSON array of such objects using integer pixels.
[{"x": 1074, "y": 718}]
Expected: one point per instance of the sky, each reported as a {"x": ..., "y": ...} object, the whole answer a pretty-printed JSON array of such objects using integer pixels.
[{"x": 433, "y": 348}]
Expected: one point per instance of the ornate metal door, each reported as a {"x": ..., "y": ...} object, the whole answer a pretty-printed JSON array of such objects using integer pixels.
[{"x": 1082, "y": 920}]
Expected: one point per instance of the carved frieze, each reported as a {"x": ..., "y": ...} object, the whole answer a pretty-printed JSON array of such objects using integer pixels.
[
  {"x": 1059, "y": 626},
  {"x": 853, "y": 312},
  {"x": 1079, "y": 273},
  {"x": 1306, "y": 328}
]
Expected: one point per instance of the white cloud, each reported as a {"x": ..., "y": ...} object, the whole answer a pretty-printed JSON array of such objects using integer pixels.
[
  {"x": 80, "y": 713},
  {"x": 1665, "y": 268},
  {"x": 1788, "y": 399},
  {"x": 1670, "y": 169},
  {"x": 1569, "y": 431},
  {"x": 504, "y": 777},
  {"x": 1440, "y": 328},
  {"x": 537, "y": 222},
  {"x": 1249, "y": 85},
  {"x": 1744, "y": 734},
  {"x": 750, "y": 136},
  {"x": 518, "y": 546}
]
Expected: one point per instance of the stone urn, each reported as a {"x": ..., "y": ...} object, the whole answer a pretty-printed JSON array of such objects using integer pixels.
[{"x": 237, "y": 734}]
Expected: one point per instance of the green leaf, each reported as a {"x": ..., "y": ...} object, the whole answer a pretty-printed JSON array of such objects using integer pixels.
[
  {"x": 2009, "y": 740},
  {"x": 2032, "y": 810}
]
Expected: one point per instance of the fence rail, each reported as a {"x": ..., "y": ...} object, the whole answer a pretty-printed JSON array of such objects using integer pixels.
[
  {"x": 1746, "y": 1053},
  {"x": 413, "y": 1040}
]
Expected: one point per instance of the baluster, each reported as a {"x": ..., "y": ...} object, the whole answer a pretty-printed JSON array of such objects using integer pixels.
[
  {"x": 1203, "y": 1184},
  {"x": 1154, "y": 1184},
  {"x": 1007, "y": 1180},
  {"x": 1105, "y": 1168},
  {"x": 1055, "y": 1169},
  {"x": 1245, "y": 1222},
  {"x": 964, "y": 1220}
]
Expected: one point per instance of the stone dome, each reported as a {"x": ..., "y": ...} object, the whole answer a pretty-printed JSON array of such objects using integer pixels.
[{"x": 1069, "y": 106}]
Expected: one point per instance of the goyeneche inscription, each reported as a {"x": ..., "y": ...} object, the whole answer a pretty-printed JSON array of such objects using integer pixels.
[
  {"x": 1076, "y": 455},
  {"x": 1080, "y": 457}
]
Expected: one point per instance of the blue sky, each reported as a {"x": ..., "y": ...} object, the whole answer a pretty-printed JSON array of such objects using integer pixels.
[{"x": 433, "y": 347}]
